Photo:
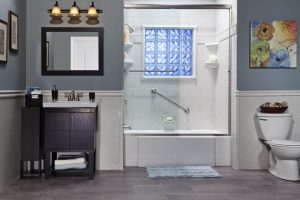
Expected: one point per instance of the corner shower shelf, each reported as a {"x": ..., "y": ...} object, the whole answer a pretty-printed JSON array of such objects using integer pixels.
[
  {"x": 212, "y": 65},
  {"x": 212, "y": 44},
  {"x": 127, "y": 62},
  {"x": 128, "y": 46},
  {"x": 211, "y": 49}
]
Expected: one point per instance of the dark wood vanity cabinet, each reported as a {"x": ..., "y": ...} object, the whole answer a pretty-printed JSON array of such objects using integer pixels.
[{"x": 69, "y": 129}]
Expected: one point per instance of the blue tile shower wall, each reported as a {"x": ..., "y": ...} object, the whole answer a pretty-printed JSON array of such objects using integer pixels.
[{"x": 168, "y": 49}]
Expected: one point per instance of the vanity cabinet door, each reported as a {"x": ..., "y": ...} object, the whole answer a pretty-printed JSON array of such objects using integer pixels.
[
  {"x": 56, "y": 121},
  {"x": 57, "y": 131},
  {"x": 82, "y": 127},
  {"x": 82, "y": 122},
  {"x": 81, "y": 140},
  {"x": 57, "y": 140}
]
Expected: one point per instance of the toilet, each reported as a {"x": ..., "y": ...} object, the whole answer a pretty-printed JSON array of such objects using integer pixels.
[{"x": 284, "y": 153}]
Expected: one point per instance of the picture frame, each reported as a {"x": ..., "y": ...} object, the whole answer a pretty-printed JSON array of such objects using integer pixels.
[
  {"x": 3, "y": 41},
  {"x": 273, "y": 44},
  {"x": 13, "y": 31}
]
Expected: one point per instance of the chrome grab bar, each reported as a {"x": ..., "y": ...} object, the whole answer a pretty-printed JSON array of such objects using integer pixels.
[{"x": 186, "y": 110}]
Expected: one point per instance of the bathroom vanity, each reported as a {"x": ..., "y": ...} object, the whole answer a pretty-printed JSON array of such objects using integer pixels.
[{"x": 69, "y": 127}]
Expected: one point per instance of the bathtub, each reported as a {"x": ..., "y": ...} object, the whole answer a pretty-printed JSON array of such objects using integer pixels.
[{"x": 177, "y": 147}]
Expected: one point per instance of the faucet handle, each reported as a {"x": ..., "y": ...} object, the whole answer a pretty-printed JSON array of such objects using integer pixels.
[
  {"x": 68, "y": 95},
  {"x": 78, "y": 95}
]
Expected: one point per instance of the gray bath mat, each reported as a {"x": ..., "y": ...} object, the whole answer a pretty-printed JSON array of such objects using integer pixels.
[{"x": 182, "y": 172}]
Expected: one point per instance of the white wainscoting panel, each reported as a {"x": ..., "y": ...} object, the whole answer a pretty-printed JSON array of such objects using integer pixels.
[{"x": 10, "y": 136}]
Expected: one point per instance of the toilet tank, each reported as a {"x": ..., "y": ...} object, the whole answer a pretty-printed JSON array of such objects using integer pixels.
[{"x": 274, "y": 126}]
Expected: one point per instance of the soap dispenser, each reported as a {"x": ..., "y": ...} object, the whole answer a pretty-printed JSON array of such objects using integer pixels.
[{"x": 54, "y": 93}]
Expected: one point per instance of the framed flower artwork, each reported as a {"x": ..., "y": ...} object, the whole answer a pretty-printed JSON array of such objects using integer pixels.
[
  {"x": 273, "y": 44},
  {"x": 3, "y": 42}
]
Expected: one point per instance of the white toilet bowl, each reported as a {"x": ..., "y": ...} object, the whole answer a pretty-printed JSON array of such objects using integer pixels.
[
  {"x": 287, "y": 155},
  {"x": 274, "y": 130}
]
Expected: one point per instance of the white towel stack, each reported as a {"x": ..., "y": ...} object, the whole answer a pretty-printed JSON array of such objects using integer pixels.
[{"x": 77, "y": 163}]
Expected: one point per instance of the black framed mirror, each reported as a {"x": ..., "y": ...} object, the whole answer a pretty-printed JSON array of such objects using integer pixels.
[{"x": 72, "y": 51}]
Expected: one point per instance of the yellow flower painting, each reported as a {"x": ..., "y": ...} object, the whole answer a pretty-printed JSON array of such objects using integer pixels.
[{"x": 273, "y": 44}]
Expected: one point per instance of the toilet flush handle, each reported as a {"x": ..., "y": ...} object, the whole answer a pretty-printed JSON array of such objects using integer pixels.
[{"x": 262, "y": 119}]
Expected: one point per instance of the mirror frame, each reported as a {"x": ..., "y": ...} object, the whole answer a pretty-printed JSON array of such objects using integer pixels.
[{"x": 98, "y": 72}]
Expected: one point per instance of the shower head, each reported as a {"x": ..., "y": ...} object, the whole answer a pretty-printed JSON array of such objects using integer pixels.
[{"x": 129, "y": 27}]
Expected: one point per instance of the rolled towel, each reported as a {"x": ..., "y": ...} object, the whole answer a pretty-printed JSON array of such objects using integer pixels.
[
  {"x": 71, "y": 166},
  {"x": 69, "y": 161}
]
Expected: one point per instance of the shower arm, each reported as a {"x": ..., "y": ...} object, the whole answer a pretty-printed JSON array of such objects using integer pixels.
[{"x": 186, "y": 110}]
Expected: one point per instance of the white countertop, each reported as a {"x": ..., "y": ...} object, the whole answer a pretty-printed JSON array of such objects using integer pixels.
[{"x": 70, "y": 104}]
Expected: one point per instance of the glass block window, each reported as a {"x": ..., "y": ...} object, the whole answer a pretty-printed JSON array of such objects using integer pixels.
[{"x": 170, "y": 49}]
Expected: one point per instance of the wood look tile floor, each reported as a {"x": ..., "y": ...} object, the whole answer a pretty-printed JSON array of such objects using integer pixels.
[{"x": 133, "y": 184}]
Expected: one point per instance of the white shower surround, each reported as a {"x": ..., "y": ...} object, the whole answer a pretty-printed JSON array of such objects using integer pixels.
[
  {"x": 177, "y": 147},
  {"x": 206, "y": 95},
  {"x": 201, "y": 144}
]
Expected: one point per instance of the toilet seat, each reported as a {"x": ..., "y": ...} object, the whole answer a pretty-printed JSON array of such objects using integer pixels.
[{"x": 284, "y": 143}]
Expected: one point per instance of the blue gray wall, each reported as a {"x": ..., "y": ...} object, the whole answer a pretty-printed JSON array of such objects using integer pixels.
[
  {"x": 12, "y": 74},
  {"x": 264, "y": 79},
  {"x": 12, "y": 77},
  {"x": 112, "y": 21}
]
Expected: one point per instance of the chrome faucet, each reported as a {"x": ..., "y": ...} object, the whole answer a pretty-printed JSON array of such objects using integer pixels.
[{"x": 72, "y": 96}]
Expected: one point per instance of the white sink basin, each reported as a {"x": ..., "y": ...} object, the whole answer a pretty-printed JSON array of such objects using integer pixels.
[{"x": 70, "y": 104}]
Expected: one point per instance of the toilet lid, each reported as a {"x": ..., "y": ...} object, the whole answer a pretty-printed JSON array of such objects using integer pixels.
[{"x": 284, "y": 143}]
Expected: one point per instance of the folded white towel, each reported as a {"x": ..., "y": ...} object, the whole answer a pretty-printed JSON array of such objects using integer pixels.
[
  {"x": 69, "y": 161},
  {"x": 71, "y": 166}
]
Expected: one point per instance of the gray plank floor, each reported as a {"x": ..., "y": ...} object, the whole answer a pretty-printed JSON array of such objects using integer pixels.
[{"x": 133, "y": 184}]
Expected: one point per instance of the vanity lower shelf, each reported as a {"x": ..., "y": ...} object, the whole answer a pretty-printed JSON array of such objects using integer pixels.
[{"x": 50, "y": 171}]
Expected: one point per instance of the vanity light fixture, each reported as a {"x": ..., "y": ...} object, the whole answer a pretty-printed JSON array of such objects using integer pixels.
[
  {"x": 92, "y": 15},
  {"x": 74, "y": 14},
  {"x": 56, "y": 14}
]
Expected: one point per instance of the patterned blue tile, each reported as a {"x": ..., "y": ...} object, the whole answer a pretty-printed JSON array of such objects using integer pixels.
[
  {"x": 169, "y": 49},
  {"x": 150, "y": 68},
  {"x": 175, "y": 69},
  {"x": 174, "y": 34},
  {"x": 186, "y": 46},
  {"x": 150, "y": 46},
  {"x": 162, "y": 58},
  {"x": 150, "y": 59},
  {"x": 162, "y": 46},
  {"x": 162, "y": 34},
  {"x": 162, "y": 68},
  {"x": 186, "y": 59},
  {"x": 186, "y": 71},
  {"x": 174, "y": 46},
  {"x": 187, "y": 34},
  {"x": 174, "y": 59},
  {"x": 150, "y": 34}
]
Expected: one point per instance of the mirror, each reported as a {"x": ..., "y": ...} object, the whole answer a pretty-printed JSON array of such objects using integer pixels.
[{"x": 72, "y": 51}]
